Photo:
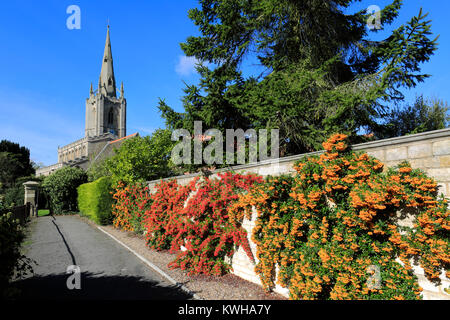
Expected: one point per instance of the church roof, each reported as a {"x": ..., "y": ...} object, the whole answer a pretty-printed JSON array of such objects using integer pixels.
[
  {"x": 110, "y": 147},
  {"x": 128, "y": 136}
]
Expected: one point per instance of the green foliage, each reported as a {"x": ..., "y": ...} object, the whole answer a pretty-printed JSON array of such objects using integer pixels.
[
  {"x": 14, "y": 195},
  {"x": 95, "y": 200},
  {"x": 423, "y": 115},
  {"x": 97, "y": 170},
  {"x": 12, "y": 261},
  {"x": 61, "y": 189},
  {"x": 15, "y": 168},
  {"x": 320, "y": 70},
  {"x": 14, "y": 163},
  {"x": 142, "y": 158}
]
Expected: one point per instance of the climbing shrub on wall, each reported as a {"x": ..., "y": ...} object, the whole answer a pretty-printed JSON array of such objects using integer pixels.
[
  {"x": 334, "y": 223},
  {"x": 164, "y": 219},
  {"x": 190, "y": 220},
  {"x": 130, "y": 204},
  {"x": 206, "y": 231}
]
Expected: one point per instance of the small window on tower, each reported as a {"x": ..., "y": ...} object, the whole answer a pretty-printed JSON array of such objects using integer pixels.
[
  {"x": 109, "y": 82},
  {"x": 110, "y": 117}
]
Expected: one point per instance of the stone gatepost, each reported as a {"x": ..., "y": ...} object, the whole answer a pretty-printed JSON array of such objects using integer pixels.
[{"x": 31, "y": 196}]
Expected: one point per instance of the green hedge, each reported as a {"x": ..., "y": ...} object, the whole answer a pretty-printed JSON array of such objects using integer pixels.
[{"x": 95, "y": 200}]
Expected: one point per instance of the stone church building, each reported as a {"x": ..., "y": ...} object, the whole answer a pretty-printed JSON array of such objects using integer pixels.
[{"x": 106, "y": 122}]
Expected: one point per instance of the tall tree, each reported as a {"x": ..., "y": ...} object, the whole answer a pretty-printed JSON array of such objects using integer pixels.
[
  {"x": 14, "y": 162},
  {"x": 322, "y": 72},
  {"x": 423, "y": 115}
]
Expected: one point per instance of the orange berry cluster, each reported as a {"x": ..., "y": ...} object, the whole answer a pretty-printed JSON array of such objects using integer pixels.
[{"x": 320, "y": 231}]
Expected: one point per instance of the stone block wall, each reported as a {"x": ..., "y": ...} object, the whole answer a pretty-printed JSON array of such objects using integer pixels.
[
  {"x": 46, "y": 171},
  {"x": 429, "y": 151}
]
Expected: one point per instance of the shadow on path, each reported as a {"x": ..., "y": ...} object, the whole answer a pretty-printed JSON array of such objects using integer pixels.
[
  {"x": 97, "y": 287},
  {"x": 64, "y": 240}
]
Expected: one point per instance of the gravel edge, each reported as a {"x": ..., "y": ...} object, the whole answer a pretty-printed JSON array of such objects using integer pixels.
[{"x": 227, "y": 287}]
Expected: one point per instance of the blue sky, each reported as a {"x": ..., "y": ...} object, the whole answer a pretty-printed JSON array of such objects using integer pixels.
[{"x": 46, "y": 69}]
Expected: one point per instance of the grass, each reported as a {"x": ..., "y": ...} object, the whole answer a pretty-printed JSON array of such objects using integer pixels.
[{"x": 43, "y": 212}]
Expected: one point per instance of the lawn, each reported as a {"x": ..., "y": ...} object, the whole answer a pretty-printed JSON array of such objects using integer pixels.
[{"x": 43, "y": 212}]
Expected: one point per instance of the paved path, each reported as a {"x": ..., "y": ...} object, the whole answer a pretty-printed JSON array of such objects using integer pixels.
[{"x": 108, "y": 270}]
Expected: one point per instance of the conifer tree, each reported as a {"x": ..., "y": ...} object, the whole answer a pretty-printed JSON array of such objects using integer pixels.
[{"x": 322, "y": 73}]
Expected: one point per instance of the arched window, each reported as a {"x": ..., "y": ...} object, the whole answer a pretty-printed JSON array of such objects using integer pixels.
[{"x": 110, "y": 117}]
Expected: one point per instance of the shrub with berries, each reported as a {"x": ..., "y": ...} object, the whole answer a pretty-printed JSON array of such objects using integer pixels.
[
  {"x": 130, "y": 206},
  {"x": 164, "y": 220},
  {"x": 190, "y": 220},
  {"x": 332, "y": 229},
  {"x": 208, "y": 234}
]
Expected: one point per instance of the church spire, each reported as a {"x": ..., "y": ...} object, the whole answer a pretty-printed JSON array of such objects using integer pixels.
[{"x": 107, "y": 85}]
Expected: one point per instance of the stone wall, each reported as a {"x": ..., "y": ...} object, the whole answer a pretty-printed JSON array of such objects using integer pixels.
[
  {"x": 46, "y": 171},
  {"x": 429, "y": 151}
]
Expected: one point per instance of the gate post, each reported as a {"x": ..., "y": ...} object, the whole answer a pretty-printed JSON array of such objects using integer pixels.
[{"x": 31, "y": 196}]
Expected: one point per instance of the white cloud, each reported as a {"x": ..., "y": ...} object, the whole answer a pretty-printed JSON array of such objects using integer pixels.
[{"x": 186, "y": 65}]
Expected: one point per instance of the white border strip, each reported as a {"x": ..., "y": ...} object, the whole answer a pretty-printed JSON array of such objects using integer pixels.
[{"x": 151, "y": 265}]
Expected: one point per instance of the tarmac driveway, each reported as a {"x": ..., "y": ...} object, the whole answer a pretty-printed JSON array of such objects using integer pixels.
[{"x": 107, "y": 269}]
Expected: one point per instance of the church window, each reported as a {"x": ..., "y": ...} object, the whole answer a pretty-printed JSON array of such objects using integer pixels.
[{"x": 110, "y": 117}]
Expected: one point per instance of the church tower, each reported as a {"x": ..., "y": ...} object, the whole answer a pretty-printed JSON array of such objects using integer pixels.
[{"x": 105, "y": 112}]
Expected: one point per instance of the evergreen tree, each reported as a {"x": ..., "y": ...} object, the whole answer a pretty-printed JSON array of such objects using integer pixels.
[
  {"x": 14, "y": 163},
  {"x": 423, "y": 115},
  {"x": 322, "y": 72}
]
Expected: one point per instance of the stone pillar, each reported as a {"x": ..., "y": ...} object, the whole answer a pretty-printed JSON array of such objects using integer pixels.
[{"x": 31, "y": 196}]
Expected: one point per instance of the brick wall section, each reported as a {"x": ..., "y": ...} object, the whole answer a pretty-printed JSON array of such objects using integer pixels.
[{"x": 429, "y": 151}]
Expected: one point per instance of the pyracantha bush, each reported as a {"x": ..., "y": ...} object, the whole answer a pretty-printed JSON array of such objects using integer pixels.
[
  {"x": 165, "y": 218},
  {"x": 335, "y": 223},
  {"x": 130, "y": 205},
  {"x": 206, "y": 232}
]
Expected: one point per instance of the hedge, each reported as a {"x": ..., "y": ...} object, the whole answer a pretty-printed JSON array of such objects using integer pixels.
[
  {"x": 95, "y": 200},
  {"x": 61, "y": 189}
]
